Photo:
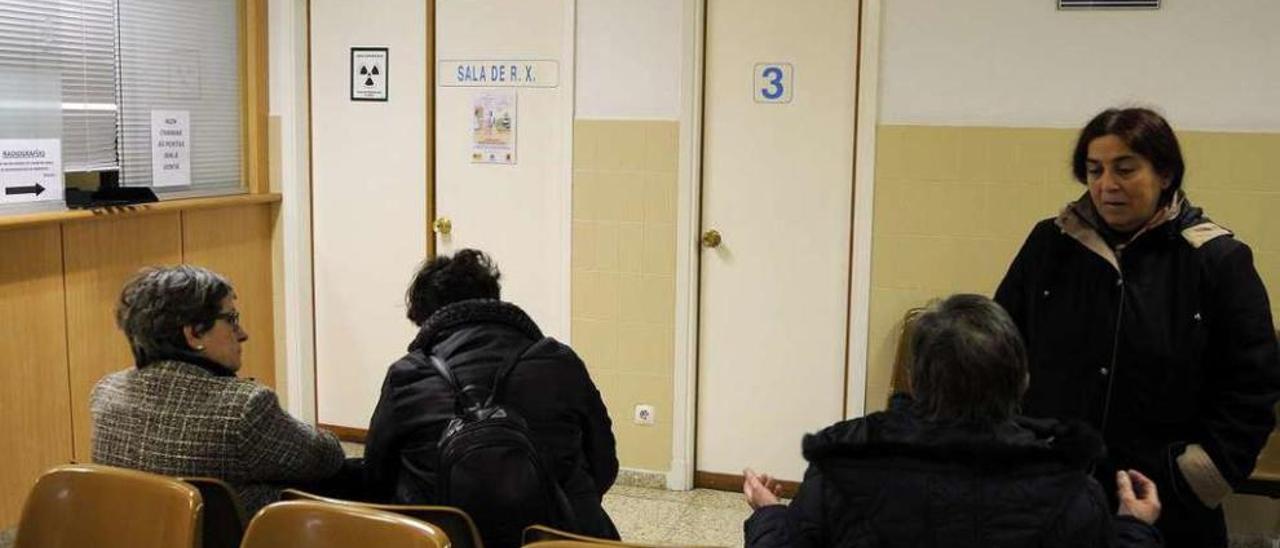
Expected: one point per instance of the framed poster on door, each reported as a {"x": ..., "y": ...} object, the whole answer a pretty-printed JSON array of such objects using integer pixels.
[{"x": 369, "y": 74}]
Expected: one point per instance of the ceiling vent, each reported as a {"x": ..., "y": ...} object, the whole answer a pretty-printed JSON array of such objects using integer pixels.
[{"x": 1108, "y": 4}]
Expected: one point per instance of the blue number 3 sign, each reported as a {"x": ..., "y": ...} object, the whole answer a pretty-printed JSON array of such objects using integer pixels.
[{"x": 773, "y": 82}]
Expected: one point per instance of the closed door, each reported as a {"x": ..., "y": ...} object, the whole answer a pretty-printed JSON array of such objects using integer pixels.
[
  {"x": 777, "y": 192},
  {"x": 368, "y": 196},
  {"x": 504, "y": 86}
]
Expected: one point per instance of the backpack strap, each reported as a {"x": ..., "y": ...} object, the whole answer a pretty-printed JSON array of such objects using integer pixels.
[
  {"x": 460, "y": 397},
  {"x": 500, "y": 378}
]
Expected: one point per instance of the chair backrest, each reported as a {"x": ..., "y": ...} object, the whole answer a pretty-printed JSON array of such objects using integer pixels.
[
  {"x": 322, "y": 525},
  {"x": 562, "y": 544},
  {"x": 549, "y": 537},
  {"x": 105, "y": 507},
  {"x": 541, "y": 535},
  {"x": 224, "y": 519},
  {"x": 454, "y": 522}
]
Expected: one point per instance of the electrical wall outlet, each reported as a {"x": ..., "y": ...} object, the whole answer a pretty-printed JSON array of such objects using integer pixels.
[{"x": 644, "y": 415}]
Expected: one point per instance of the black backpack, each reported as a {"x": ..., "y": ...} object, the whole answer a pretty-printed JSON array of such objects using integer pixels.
[{"x": 489, "y": 465}]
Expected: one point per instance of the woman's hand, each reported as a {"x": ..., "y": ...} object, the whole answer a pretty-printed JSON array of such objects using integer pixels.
[
  {"x": 1138, "y": 496},
  {"x": 760, "y": 489}
]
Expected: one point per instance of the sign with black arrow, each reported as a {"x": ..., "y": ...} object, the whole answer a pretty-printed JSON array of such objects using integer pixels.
[
  {"x": 33, "y": 189},
  {"x": 30, "y": 170}
]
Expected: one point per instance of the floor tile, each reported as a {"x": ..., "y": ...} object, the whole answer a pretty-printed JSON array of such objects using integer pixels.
[
  {"x": 683, "y": 497},
  {"x": 352, "y": 449},
  {"x": 643, "y": 520},
  {"x": 706, "y": 526},
  {"x": 725, "y": 500}
]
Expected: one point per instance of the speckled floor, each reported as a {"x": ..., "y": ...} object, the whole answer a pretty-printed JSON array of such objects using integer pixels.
[
  {"x": 699, "y": 517},
  {"x": 654, "y": 516}
]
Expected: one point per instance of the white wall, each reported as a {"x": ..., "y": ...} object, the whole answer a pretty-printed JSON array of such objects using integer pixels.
[
  {"x": 629, "y": 59},
  {"x": 287, "y": 45},
  {"x": 1210, "y": 65},
  {"x": 369, "y": 199}
]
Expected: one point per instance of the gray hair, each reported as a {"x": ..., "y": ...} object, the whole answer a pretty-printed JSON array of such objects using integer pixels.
[
  {"x": 159, "y": 301},
  {"x": 969, "y": 362}
]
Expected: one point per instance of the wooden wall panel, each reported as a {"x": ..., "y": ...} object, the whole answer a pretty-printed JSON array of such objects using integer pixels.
[
  {"x": 34, "y": 400},
  {"x": 100, "y": 256},
  {"x": 236, "y": 242}
]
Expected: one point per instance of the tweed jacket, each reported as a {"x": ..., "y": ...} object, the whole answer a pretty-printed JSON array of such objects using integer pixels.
[{"x": 180, "y": 419}]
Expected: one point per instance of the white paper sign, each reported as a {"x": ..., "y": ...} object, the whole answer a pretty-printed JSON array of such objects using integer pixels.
[
  {"x": 30, "y": 170},
  {"x": 170, "y": 148},
  {"x": 369, "y": 74},
  {"x": 499, "y": 74},
  {"x": 493, "y": 127}
]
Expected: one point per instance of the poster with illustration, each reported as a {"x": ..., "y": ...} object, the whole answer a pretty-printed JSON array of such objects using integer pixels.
[{"x": 493, "y": 127}]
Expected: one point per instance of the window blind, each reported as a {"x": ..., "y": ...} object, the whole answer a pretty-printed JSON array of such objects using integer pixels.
[
  {"x": 181, "y": 55},
  {"x": 75, "y": 40}
]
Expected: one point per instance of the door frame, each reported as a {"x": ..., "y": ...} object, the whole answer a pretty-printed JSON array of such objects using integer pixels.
[{"x": 689, "y": 221}]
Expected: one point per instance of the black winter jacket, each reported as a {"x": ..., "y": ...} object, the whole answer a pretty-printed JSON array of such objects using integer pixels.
[
  {"x": 1164, "y": 344},
  {"x": 895, "y": 479},
  {"x": 550, "y": 388}
]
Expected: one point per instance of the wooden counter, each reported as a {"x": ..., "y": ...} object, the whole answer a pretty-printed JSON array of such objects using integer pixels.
[
  {"x": 57, "y": 217},
  {"x": 60, "y": 276}
]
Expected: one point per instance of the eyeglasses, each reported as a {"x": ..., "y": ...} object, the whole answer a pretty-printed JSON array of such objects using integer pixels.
[{"x": 232, "y": 317}]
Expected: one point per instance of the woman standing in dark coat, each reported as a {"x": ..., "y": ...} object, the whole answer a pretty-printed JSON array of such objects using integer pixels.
[
  {"x": 955, "y": 467},
  {"x": 1148, "y": 321},
  {"x": 454, "y": 301}
]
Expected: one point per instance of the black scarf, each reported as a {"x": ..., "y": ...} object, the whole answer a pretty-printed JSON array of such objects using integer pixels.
[{"x": 186, "y": 356}]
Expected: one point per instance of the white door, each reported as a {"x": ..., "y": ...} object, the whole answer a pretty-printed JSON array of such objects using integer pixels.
[
  {"x": 777, "y": 186},
  {"x": 369, "y": 198},
  {"x": 515, "y": 210}
]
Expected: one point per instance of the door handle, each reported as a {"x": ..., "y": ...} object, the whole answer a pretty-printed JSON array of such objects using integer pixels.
[
  {"x": 443, "y": 226},
  {"x": 711, "y": 238}
]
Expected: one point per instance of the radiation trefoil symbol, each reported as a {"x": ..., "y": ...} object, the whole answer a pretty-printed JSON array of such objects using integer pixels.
[{"x": 368, "y": 73}]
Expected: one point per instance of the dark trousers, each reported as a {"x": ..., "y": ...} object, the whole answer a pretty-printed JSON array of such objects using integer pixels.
[{"x": 347, "y": 484}]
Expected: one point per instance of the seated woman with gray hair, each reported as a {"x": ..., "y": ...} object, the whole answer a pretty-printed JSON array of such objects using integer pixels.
[
  {"x": 182, "y": 411},
  {"x": 952, "y": 464}
]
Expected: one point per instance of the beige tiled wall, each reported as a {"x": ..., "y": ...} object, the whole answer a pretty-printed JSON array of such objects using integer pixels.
[
  {"x": 623, "y": 286},
  {"x": 952, "y": 206}
]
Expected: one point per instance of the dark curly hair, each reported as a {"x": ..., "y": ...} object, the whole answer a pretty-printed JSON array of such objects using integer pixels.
[
  {"x": 158, "y": 302},
  {"x": 1144, "y": 132},
  {"x": 468, "y": 274}
]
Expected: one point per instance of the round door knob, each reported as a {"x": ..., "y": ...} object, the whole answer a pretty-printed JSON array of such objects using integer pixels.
[
  {"x": 443, "y": 226},
  {"x": 711, "y": 238}
]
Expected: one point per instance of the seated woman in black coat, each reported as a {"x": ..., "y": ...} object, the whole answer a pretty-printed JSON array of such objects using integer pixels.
[
  {"x": 956, "y": 466},
  {"x": 454, "y": 302}
]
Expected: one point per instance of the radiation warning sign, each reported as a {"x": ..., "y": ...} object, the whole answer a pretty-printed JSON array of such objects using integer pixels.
[{"x": 368, "y": 74}]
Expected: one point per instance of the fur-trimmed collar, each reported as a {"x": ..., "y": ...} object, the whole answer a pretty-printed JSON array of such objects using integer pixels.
[
  {"x": 1080, "y": 221},
  {"x": 454, "y": 315},
  {"x": 902, "y": 432}
]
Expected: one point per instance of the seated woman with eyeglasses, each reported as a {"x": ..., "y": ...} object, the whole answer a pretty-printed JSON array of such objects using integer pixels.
[{"x": 182, "y": 411}]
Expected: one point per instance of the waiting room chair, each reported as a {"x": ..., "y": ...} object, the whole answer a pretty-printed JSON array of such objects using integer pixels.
[
  {"x": 312, "y": 524},
  {"x": 89, "y": 505},
  {"x": 223, "y": 518},
  {"x": 562, "y": 544},
  {"x": 453, "y": 521},
  {"x": 548, "y": 537}
]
